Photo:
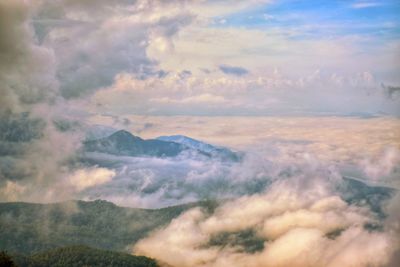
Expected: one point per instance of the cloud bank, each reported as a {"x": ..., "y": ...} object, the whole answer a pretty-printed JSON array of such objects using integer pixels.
[
  {"x": 300, "y": 218},
  {"x": 301, "y": 221}
]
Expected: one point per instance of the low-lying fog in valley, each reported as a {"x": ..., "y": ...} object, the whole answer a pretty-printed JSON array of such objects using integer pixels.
[
  {"x": 308, "y": 192},
  {"x": 199, "y": 133}
]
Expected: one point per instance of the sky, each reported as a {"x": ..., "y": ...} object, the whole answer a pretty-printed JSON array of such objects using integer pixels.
[
  {"x": 309, "y": 91},
  {"x": 210, "y": 58}
]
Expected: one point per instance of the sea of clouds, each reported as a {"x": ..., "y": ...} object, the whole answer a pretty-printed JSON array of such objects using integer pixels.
[{"x": 65, "y": 62}]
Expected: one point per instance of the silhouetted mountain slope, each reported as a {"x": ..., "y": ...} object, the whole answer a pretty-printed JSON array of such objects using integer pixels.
[
  {"x": 123, "y": 143},
  {"x": 213, "y": 151},
  {"x": 357, "y": 192},
  {"x": 28, "y": 227},
  {"x": 80, "y": 256}
]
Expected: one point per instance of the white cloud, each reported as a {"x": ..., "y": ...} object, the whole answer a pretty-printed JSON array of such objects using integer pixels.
[
  {"x": 359, "y": 5},
  {"x": 330, "y": 138},
  {"x": 11, "y": 191},
  {"x": 179, "y": 93},
  {"x": 203, "y": 98},
  {"x": 268, "y": 16},
  {"x": 295, "y": 222},
  {"x": 85, "y": 178},
  {"x": 93, "y": 42}
]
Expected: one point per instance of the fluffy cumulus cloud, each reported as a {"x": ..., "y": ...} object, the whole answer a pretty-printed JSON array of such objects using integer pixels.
[
  {"x": 53, "y": 55},
  {"x": 85, "y": 178},
  {"x": 92, "y": 49},
  {"x": 295, "y": 223},
  {"x": 67, "y": 64},
  {"x": 27, "y": 70},
  {"x": 29, "y": 88}
]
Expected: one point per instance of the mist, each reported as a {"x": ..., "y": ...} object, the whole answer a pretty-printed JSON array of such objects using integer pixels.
[{"x": 304, "y": 97}]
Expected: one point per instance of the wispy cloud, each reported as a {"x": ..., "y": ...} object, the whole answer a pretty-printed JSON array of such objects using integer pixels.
[{"x": 359, "y": 5}]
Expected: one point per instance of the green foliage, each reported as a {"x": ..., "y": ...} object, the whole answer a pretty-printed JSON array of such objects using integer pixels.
[
  {"x": 245, "y": 240},
  {"x": 26, "y": 228},
  {"x": 6, "y": 260},
  {"x": 80, "y": 256}
]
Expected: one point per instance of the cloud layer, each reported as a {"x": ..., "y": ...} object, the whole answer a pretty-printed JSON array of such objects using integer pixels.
[{"x": 301, "y": 222}]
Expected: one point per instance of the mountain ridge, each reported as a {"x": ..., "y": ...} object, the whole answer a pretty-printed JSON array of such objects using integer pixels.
[
  {"x": 33, "y": 227},
  {"x": 220, "y": 152},
  {"x": 80, "y": 255},
  {"x": 124, "y": 143}
]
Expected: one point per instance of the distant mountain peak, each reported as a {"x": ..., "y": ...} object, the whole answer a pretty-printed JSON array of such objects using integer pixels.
[
  {"x": 123, "y": 132},
  {"x": 124, "y": 143},
  {"x": 124, "y": 135},
  {"x": 211, "y": 150},
  {"x": 178, "y": 136},
  {"x": 190, "y": 142}
]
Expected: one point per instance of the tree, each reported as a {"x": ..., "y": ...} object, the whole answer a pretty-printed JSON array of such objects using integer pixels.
[{"x": 6, "y": 260}]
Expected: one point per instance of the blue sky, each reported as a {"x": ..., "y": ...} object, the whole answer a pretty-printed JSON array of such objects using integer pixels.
[
  {"x": 323, "y": 19},
  {"x": 212, "y": 58}
]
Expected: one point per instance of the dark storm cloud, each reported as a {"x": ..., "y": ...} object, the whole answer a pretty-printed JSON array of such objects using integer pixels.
[{"x": 237, "y": 71}]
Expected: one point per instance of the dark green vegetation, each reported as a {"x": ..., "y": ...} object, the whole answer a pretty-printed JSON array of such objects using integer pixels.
[
  {"x": 358, "y": 193},
  {"x": 33, "y": 229},
  {"x": 81, "y": 256},
  {"x": 246, "y": 240},
  {"x": 6, "y": 260},
  {"x": 26, "y": 228}
]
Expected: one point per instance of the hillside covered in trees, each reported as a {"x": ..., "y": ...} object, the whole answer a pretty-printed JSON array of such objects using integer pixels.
[
  {"x": 76, "y": 256},
  {"x": 27, "y": 228}
]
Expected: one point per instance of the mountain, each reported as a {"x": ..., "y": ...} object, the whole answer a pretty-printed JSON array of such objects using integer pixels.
[
  {"x": 82, "y": 256},
  {"x": 189, "y": 142},
  {"x": 94, "y": 132},
  {"x": 123, "y": 143},
  {"x": 357, "y": 192},
  {"x": 213, "y": 151},
  {"x": 28, "y": 228},
  {"x": 31, "y": 228}
]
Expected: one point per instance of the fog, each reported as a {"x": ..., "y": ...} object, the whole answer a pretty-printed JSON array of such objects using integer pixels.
[{"x": 312, "y": 105}]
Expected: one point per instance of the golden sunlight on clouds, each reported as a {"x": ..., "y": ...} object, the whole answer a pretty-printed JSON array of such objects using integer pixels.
[
  {"x": 300, "y": 226},
  {"x": 86, "y": 178}
]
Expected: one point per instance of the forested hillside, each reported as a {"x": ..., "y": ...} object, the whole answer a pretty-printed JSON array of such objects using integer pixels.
[
  {"x": 78, "y": 256},
  {"x": 27, "y": 228}
]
